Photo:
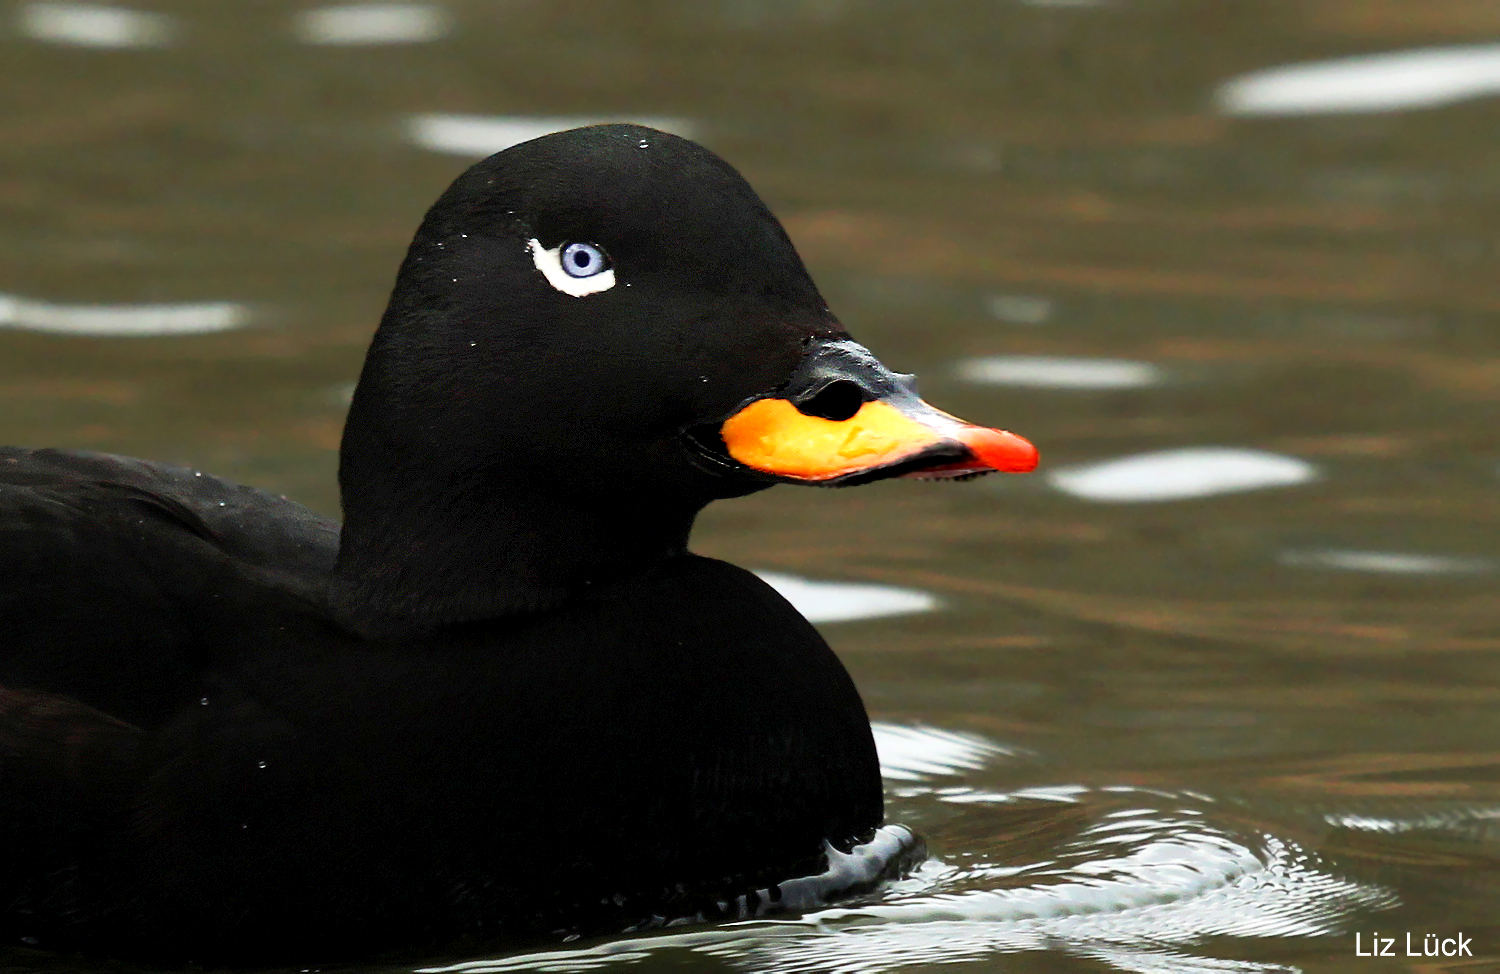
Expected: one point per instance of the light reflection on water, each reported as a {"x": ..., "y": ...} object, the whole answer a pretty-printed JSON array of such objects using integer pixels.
[
  {"x": 372, "y": 23},
  {"x": 1019, "y": 309},
  {"x": 1387, "y": 82},
  {"x": 121, "y": 320},
  {"x": 94, "y": 25},
  {"x": 1057, "y": 372},
  {"x": 1387, "y": 562},
  {"x": 824, "y": 601},
  {"x": 481, "y": 135},
  {"x": 1171, "y": 475},
  {"x": 1477, "y": 823}
]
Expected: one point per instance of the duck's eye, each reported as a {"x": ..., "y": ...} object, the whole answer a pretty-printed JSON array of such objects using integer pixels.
[
  {"x": 583, "y": 260},
  {"x": 573, "y": 268}
]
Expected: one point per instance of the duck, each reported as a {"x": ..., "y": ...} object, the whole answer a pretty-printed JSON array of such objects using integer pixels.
[{"x": 502, "y": 698}]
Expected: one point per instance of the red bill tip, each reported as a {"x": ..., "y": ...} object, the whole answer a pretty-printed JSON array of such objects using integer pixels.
[{"x": 998, "y": 449}]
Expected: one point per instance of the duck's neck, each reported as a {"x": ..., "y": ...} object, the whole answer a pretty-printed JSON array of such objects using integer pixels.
[{"x": 424, "y": 546}]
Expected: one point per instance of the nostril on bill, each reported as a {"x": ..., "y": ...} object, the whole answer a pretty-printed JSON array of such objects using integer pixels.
[{"x": 837, "y": 401}]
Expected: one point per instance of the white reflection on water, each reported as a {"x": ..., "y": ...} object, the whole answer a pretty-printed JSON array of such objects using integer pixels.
[
  {"x": 1170, "y": 475},
  {"x": 1152, "y": 960},
  {"x": 847, "y": 601},
  {"x": 1481, "y": 821},
  {"x": 1387, "y": 562},
  {"x": 88, "y": 25},
  {"x": 1474, "y": 823},
  {"x": 1135, "y": 890},
  {"x": 1053, "y": 372},
  {"x": 482, "y": 135},
  {"x": 1019, "y": 309},
  {"x": 371, "y": 23},
  {"x": 121, "y": 320},
  {"x": 1424, "y": 78},
  {"x": 913, "y": 753},
  {"x": 1039, "y": 793}
]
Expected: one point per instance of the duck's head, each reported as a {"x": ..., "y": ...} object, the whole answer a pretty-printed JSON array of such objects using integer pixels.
[{"x": 594, "y": 334}]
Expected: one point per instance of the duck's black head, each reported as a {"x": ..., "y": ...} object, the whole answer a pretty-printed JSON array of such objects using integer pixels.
[{"x": 593, "y": 335}]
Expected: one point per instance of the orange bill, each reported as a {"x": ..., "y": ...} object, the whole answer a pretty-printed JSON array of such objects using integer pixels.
[{"x": 774, "y": 437}]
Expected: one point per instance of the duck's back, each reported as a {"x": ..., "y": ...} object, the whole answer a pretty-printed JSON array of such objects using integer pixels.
[
  {"x": 118, "y": 571},
  {"x": 118, "y": 579},
  {"x": 197, "y": 760}
]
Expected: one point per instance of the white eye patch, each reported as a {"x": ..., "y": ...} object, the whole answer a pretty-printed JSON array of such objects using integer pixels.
[{"x": 577, "y": 269}]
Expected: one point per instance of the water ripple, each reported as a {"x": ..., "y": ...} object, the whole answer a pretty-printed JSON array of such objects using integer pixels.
[
  {"x": 915, "y": 753},
  {"x": 1476, "y": 822},
  {"x": 1135, "y": 890}
]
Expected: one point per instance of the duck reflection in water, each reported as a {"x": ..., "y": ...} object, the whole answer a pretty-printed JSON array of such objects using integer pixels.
[{"x": 502, "y": 698}]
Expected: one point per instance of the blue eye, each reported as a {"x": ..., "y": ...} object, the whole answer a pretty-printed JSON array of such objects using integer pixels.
[{"x": 583, "y": 260}]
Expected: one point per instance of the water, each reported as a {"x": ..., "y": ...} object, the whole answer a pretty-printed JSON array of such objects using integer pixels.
[{"x": 1215, "y": 691}]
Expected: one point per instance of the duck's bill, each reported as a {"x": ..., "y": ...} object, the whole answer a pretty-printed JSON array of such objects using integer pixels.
[
  {"x": 881, "y": 439},
  {"x": 845, "y": 419}
]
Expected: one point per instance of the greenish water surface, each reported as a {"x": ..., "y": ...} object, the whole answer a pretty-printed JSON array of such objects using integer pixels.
[{"x": 1218, "y": 689}]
